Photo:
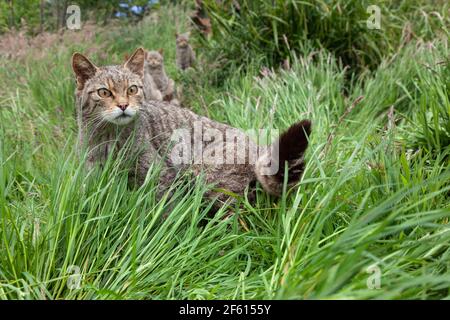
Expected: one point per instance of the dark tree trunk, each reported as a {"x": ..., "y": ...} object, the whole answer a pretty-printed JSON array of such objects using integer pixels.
[
  {"x": 12, "y": 23},
  {"x": 63, "y": 13},
  {"x": 56, "y": 13},
  {"x": 60, "y": 13},
  {"x": 41, "y": 17}
]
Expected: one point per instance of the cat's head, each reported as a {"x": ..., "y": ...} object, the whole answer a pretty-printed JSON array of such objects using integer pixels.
[
  {"x": 111, "y": 94},
  {"x": 154, "y": 59},
  {"x": 182, "y": 39}
]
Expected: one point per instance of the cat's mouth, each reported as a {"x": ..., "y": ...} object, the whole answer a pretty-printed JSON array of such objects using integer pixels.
[
  {"x": 120, "y": 117},
  {"x": 123, "y": 119}
]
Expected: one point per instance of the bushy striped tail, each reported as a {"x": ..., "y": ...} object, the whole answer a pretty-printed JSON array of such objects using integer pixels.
[{"x": 288, "y": 150}]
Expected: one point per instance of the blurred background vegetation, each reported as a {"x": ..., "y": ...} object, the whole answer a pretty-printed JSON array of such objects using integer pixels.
[
  {"x": 274, "y": 30},
  {"x": 49, "y": 15},
  {"x": 269, "y": 30}
]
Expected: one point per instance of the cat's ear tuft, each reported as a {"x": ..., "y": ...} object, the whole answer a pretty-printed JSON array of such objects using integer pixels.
[
  {"x": 161, "y": 51},
  {"x": 83, "y": 69},
  {"x": 136, "y": 62},
  {"x": 176, "y": 35}
]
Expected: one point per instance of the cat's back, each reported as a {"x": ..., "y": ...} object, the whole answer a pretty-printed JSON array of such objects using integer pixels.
[
  {"x": 166, "y": 121},
  {"x": 172, "y": 115}
]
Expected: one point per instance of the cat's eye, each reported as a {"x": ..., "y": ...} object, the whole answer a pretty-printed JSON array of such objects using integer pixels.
[
  {"x": 104, "y": 93},
  {"x": 132, "y": 90}
]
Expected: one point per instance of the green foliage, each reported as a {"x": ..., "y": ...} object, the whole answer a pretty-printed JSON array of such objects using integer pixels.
[
  {"x": 13, "y": 13},
  {"x": 40, "y": 15},
  {"x": 275, "y": 29}
]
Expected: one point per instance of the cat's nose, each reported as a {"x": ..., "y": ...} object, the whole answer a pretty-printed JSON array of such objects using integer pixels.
[{"x": 122, "y": 106}]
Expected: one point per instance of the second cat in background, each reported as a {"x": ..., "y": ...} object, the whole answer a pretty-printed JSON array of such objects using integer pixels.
[
  {"x": 185, "y": 55},
  {"x": 157, "y": 85},
  {"x": 155, "y": 71}
]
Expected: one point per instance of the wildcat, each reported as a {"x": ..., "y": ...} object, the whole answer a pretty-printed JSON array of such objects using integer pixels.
[
  {"x": 150, "y": 90},
  {"x": 185, "y": 55},
  {"x": 154, "y": 66},
  {"x": 111, "y": 109}
]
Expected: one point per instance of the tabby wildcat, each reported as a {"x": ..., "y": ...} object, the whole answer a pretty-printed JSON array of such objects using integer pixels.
[
  {"x": 185, "y": 55},
  {"x": 150, "y": 89},
  {"x": 111, "y": 108},
  {"x": 154, "y": 66}
]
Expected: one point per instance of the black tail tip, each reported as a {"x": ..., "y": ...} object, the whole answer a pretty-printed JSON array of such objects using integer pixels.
[
  {"x": 294, "y": 141},
  {"x": 305, "y": 125},
  {"x": 292, "y": 145}
]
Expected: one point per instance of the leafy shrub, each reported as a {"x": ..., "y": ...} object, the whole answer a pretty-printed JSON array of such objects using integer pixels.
[{"x": 273, "y": 29}]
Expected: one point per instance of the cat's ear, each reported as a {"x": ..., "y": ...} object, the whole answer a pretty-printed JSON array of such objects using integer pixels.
[
  {"x": 136, "y": 62},
  {"x": 83, "y": 69},
  {"x": 161, "y": 51},
  {"x": 176, "y": 35}
]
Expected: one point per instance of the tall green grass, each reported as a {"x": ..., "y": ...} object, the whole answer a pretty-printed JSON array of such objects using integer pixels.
[
  {"x": 273, "y": 30},
  {"x": 375, "y": 193}
]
